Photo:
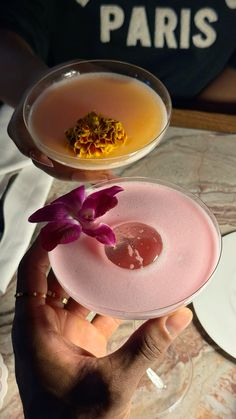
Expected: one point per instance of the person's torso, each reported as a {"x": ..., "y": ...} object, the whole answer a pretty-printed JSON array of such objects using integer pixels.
[{"x": 185, "y": 43}]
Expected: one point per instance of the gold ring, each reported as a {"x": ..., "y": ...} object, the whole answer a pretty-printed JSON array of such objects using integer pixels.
[
  {"x": 64, "y": 300},
  {"x": 52, "y": 294},
  {"x": 30, "y": 294}
]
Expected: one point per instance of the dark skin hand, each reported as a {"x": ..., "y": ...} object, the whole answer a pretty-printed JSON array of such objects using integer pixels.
[{"x": 61, "y": 364}]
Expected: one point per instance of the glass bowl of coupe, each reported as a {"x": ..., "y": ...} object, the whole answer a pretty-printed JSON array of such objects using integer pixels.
[{"x": 97, "y": 114}]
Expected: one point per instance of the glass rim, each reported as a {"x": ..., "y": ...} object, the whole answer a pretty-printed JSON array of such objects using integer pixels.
[{"x": 59, "y": 68}]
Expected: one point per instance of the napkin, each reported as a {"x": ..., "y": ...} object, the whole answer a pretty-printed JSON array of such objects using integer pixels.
[
  {"x": 27, "y": 193},
  {"x": 3, "y": 380},
  {"x": 10, "y": 157}
]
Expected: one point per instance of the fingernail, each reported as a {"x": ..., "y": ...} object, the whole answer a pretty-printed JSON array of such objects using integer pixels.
[
  {"x": 41, "y": 158},
  {"x": 178, "y": 321}
]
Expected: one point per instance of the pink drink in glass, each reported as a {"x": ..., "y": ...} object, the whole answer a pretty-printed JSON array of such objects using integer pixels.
[{"x": 188, "y": 254}]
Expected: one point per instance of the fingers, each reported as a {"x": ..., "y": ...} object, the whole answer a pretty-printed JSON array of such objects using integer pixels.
[
  {"x": 34, "y": 284},
  {"x": 106, "y": 325},
  {"x": 32, "y": 274},
  {"x": 147, "y": 345},
  {"x": 56, "y": 295},
  {"x": 91, "y": 176},
  {"x": 60, "y": 171},
  {"x": 18, "y": 133},
  {"x": 33, "y": 269},
  {"x": 77, "y": 309}
]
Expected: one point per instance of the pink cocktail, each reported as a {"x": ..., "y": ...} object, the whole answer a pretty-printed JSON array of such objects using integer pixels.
[{"x": 152, "y": 218}]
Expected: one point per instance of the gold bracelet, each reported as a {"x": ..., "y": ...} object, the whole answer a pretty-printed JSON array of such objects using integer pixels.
[{"x": 30, "y": 294}]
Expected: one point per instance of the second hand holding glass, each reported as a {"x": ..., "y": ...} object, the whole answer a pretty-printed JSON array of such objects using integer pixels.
[{"x": 168, "y": 245}]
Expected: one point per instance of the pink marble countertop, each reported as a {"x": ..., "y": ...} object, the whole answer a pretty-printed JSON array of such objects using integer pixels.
[{"x": 205, "y": 164}]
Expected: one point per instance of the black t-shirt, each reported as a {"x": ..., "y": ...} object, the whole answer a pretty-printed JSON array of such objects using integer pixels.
[{"x": 185, "y": 43}]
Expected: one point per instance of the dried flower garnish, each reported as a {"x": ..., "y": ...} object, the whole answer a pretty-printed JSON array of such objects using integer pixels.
[
  {"x": 74, "y": 213},
  {"x": 94, "y": 136}
]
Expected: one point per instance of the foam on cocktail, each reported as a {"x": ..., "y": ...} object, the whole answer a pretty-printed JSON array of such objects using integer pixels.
[{"x": 189, "y": 255}]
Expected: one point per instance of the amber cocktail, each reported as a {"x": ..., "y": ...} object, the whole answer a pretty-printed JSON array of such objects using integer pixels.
[{"x": 65, "y": 113}]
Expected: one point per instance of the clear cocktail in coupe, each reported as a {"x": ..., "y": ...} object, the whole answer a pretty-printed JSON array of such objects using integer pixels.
[
  {"x": 97, "y": 114},
  {"x": 168, "y": 244}
]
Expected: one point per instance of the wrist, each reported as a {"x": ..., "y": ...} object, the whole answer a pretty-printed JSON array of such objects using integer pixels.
[
  {"x": 49, "y": 407},
  {"x": 44, "y": 406}
]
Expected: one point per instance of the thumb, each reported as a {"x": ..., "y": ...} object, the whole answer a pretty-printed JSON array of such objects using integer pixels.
[{"x": 147, "y": 345}]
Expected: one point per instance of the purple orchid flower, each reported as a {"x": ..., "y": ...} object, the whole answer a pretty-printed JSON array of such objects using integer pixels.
[{"x": 74, "y": 213}]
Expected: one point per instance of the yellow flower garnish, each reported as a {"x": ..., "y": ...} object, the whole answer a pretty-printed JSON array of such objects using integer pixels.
[{"x": 95, "y": 136}]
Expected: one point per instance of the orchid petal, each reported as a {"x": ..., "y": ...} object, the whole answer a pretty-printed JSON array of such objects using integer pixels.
[
  {"x": 103, "y": 233},
  {"x": 57, "y": 232},
  {"x": 52, "y": 212},
  {"x": 98, "y": 203},
  {"x": 70, "y": 214},
  {"x": 73, "y": 199}
]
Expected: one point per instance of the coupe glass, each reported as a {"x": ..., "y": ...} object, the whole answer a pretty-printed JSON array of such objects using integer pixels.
[
  {"x": 117, "y": 90},
  {"x": 168, "y": 246}
]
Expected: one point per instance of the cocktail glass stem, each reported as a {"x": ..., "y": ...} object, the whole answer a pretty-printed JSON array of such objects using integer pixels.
[{"x": 152, "y": 375}]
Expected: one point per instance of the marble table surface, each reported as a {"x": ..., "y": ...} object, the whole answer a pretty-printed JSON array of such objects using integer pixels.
[{"x": 205, "y": 164}]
